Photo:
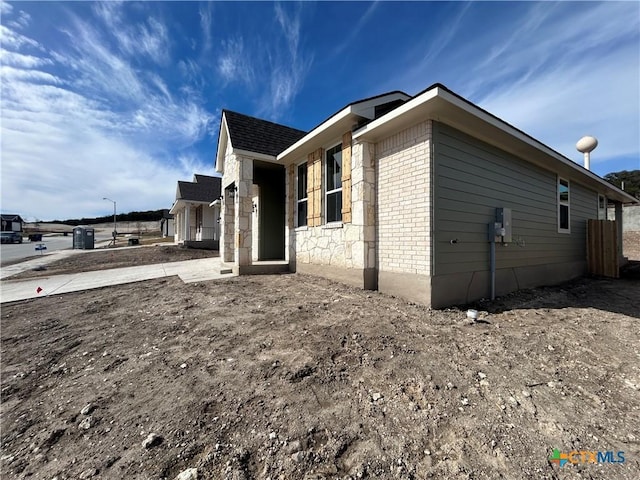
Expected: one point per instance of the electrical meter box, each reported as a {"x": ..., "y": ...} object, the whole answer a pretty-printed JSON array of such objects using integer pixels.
[{"x": 503, "y": 217}]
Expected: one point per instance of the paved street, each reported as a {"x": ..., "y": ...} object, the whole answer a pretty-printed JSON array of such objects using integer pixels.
[{"x": 10, "y": 252}]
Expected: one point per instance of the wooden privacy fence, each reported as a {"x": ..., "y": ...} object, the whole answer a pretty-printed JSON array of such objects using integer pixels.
[{"x": 602, "y": 248}]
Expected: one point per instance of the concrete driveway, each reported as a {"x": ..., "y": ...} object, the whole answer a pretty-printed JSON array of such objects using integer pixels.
[{"x": 189, "y": 271}]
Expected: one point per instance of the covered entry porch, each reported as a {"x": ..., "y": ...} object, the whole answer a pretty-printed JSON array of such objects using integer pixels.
[
  {"x": 196, "y": 224},
  {"x": 254, "y": 219}
]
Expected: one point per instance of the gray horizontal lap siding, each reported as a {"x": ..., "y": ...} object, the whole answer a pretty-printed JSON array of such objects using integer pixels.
[{"x": 471, "y": 180}]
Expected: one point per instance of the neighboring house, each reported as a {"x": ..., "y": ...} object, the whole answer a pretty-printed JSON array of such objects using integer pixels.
[
  {"x": 11, "y": 222},
  {"x": 399, "y": 193},
  {"x": 196, "y": 212},
  {"x": 167, "y": 227}
]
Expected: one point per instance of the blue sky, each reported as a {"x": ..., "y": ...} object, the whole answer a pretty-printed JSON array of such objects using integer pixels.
[{"x": 121, "y": 100}]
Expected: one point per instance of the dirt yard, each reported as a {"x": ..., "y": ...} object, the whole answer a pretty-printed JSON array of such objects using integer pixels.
[
  {"x": 296, "y": 377},
  {"x": 117, "y": 258}
]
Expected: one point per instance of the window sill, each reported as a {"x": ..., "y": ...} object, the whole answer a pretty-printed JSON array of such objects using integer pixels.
[
  {"x": 303, "y": 228},
  {"x": 332, "y": 225}
]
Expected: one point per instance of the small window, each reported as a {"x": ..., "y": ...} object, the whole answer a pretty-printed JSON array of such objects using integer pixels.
[
  {"x": 334, "y": 184},
  {"x": 301, "y": 195},
  {"x": 563, "y": 206},
  {"x": 602, "y": 207}
]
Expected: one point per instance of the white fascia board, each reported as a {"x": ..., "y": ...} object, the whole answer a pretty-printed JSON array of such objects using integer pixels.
[
  {"x": 362, "y": 109},
  {"x": 496, "y": 122},
  {"x": 223, "y": 138},
  {"x": 452, "y": 102},
  {"x": 215, "y": 203},
  {"x": 254, "y": 155},
  {"x": 175, "y": 207},
  {"x": 367, "y": 108},
  {"x": 182, "y": 204},
  {"x": 370, "y": 128},
  {"x": 322, "y": 128}
]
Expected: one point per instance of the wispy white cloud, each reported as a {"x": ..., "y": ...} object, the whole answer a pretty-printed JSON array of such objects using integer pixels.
[
  {"x": 290, "y": 26},
  {"x": 21, "y": 22},
  {"x": 558, "y": 72},
  {"x": 149, "y": 38},
  {"x": 82, "y": 122},
  {"x": 234, "y": 63},
  {"x": 271, "y": 66},
  {"x": 355, "y": 30},
  {"x": 21, "y": 60},
  {"x": 577, "y": 74},
  {"x": 5, "y": 8},
  {"x": 206, "y": 20},
  {"x": 286, "y": 71},
  {"x": 13, "y": 39},
  {"x": 12, "y": 74}
]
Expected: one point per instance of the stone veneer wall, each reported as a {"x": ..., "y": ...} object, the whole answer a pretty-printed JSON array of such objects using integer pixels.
[
  {"x": 404, "y": 201},
  {"x": 348, "y": 245},
  {"x": 238, "y": 208},
  {"x": 323, "y": 245},
  {"x": 244, "y": 211},
  {"x": 227, "y": 223}
]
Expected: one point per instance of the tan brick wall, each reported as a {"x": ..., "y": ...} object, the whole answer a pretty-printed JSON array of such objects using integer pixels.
[{"x": 404, "y": 201}]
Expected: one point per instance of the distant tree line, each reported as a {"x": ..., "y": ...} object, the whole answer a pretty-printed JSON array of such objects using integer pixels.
[
  {"x": 148, "y": 216},
  {"x": 631, "y": 181}
]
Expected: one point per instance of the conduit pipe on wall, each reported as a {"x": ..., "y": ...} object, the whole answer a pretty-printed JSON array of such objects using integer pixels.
[
  {"x": 492, "y": 263},
  {"x": 500, "y": 229},
  {"x": 492, "y": 259}
]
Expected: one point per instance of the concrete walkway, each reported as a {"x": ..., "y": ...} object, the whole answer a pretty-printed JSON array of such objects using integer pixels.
[{"x": 189, "y": 271}]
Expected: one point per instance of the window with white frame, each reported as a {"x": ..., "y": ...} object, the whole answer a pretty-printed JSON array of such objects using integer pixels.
[
  {"x": 301, "y": 195},
  {"x": 563, "y": 206},
  {"x": 602, "y": 207},
  {"x": 333, "y": 184}
]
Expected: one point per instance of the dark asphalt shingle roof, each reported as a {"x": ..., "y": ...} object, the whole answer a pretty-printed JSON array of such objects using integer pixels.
[
  {"x": 10, "y": 217},
  {"x": 260, "y": 136},
  {"x": 203, "y": 189}
]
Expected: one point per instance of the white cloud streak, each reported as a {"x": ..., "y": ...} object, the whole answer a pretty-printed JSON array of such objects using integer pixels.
[
  {"x": 287, "y": 72},
  {"x": 579, "y": 76},
  {"x": 354, "y": 32},
  {"x": 82, "y": 122},
  {"x": 206, "y": 20},
  {"x": 150, "y": 38},
  {"x": 279, "y": 63},
  {"x": 234, "y": 63},
  {"x": 558, "y": 72}
]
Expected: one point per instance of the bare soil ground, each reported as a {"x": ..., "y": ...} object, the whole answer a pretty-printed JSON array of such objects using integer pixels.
[
  {"x": 117, "y": 258},
  {"x": 297, "y": 377},
  {"x": 631, "y": 245}
]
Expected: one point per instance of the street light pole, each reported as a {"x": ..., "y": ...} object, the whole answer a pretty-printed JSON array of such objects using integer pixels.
[{"x": 114, "y": 220}]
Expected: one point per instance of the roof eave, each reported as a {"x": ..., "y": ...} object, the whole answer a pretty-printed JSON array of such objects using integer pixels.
[
  {"x": 319, "y": 136},
  {"x": 442, "y": 105},
  {"x": 223, "y": 138},
  {"x": 255, "y": 155}
]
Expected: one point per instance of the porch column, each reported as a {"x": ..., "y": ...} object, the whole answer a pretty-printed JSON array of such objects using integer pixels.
[
  {"x": 228, "y": 226},
  {"x": 244, "y": 213},
  {"x": 187, "y": 211},
  {"x": 367, "y": 206},
  {"x": 177, "y": 227}
]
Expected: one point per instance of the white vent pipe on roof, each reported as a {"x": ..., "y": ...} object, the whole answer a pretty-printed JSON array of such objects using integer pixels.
[{"x": 586, "y": 145}]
